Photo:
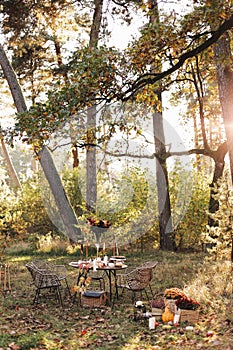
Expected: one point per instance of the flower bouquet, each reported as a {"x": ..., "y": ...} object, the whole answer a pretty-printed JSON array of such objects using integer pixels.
[
  {"x": 83, "y": 279},
  {"x": 187, "y": 303},
  {"x": 187, "y": 308},
  {"x": 179, "y": 304},
  {"x": 98, "y": 227}
]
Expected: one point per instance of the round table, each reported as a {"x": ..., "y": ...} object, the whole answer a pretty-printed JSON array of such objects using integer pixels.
[{"x": 111, "y": 273}]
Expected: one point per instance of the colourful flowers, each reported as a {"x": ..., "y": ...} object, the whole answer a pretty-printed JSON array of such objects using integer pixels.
[
  {"x": 187, "y": 303},
  {"x": 181, "y": 299},
  {"x": 83, "y": 279},
  {"x": 99, "y": 222}
]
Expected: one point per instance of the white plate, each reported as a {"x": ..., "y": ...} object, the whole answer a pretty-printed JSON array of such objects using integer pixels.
[
  {"x": 74, "y": 263},
  {"x": 117, "y": 258}
]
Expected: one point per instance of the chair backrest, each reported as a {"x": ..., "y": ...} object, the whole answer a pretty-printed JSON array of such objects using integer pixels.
[
  {"x": 32, "y": 270},
  {"x": 59, "y": 270},
  {"x": 43, "y": 265},
  {"x": 43, "y": 278},
  {"x": 139, "y": 278},
  {"x": 150, "y": 264}
]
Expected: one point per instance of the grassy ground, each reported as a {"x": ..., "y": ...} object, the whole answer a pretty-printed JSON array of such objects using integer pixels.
[{"x": 48, "y": 326}]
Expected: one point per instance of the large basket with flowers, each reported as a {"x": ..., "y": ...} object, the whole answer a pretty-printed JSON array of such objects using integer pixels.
[
  {"x": 177, "y": 302},
  {"x": 188, "y": 310}
]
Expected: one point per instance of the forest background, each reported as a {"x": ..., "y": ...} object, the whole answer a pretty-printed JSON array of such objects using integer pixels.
[
  {"x": 88, "y": 160},
  {"x": 92, "y": 116}
]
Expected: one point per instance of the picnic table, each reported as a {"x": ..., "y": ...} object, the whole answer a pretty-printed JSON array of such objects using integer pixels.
[{"x": 110, "y": 268}]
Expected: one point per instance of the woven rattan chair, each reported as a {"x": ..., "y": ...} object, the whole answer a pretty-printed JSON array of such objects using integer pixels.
[
  {"x": 59, "y": 270},
  {"x": 44, "y": 279},
  {"x": 151, "y": 265},
  {"x": 135, "y": 281}
]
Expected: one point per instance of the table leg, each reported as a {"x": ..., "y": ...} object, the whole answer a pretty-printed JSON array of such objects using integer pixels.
[
  {"x": 115, "y": 281},
  {"x": 108, "y": 273}
]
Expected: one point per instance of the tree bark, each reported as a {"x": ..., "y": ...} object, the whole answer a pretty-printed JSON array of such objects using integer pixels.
[
  {"x": 67, "y": 215},
  {"x": 223, "y": 56},
  {"x": 12, "y": 173},
  {"x": 66, "y": 212},
  {"x": 219, "y": 164},
  {"x": 91, "y": 175},
  {"x": 164, "y": 205}
]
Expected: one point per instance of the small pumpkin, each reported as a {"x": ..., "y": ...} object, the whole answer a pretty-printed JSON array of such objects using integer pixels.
[{"x": 167, "y": 315}]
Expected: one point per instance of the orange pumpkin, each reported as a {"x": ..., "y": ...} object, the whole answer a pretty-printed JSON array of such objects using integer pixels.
[{"x": 167, "y": 315}]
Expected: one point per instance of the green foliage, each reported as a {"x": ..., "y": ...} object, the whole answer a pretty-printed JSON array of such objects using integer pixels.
[
  {"x": 72, "y": 185},
  {"x": 8, "y": 216},
  {"x": 33, "y": 217},
  {"x": 22, "y": 213},
  {"x": 191, "y": 214},
  {"x": 126, "y": 200},
  {"x": 92, "y": 76}
]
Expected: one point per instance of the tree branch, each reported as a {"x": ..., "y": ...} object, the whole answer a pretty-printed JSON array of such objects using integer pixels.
[{"x": 151, "y": 78}]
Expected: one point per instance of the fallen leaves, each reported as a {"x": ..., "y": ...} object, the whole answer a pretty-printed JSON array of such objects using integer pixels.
[{"x": 46, "y": 326}]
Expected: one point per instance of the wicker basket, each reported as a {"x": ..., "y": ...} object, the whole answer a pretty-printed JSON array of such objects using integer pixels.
[
  {"x": 94, "y": 298},
  {"x": 190, "y": 316}
]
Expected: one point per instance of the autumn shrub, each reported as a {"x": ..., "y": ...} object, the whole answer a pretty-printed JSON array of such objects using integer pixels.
[
  {"x": 7, "y": 215},
  {"x": 72, "y": 183},
  {"x": 212, "y": 287},
  {"x": 219, "y": 237},
  {"x": 32, "y": 216}
]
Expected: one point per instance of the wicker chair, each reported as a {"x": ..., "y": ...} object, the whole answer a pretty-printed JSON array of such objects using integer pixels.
[
  {"x": 44, "y": 279},
  {"x": 151, "y": 265},
  {"x": 59, "y": 270},
  {"x": 135, "y": 281}
]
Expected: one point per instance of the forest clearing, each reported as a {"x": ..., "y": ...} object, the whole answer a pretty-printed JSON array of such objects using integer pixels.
[
  {"x": 47, "y": 326},
  {"x": 116, "y": 163}
]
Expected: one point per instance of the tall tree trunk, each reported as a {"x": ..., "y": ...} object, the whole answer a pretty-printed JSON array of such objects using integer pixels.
[
  {"x": 67, "y": 215},
  {"x": 91, "y": 176},
  {"x": 218, "y": 155},
  {"x": 223, "y": 56},
  {"x": 11, "y": 170},
  {"x": 196, "y": 143},
  {"x": 164, "y": 204},
  {"x": 66, "y": 212},
  {"x": 219, "y": 164}
]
